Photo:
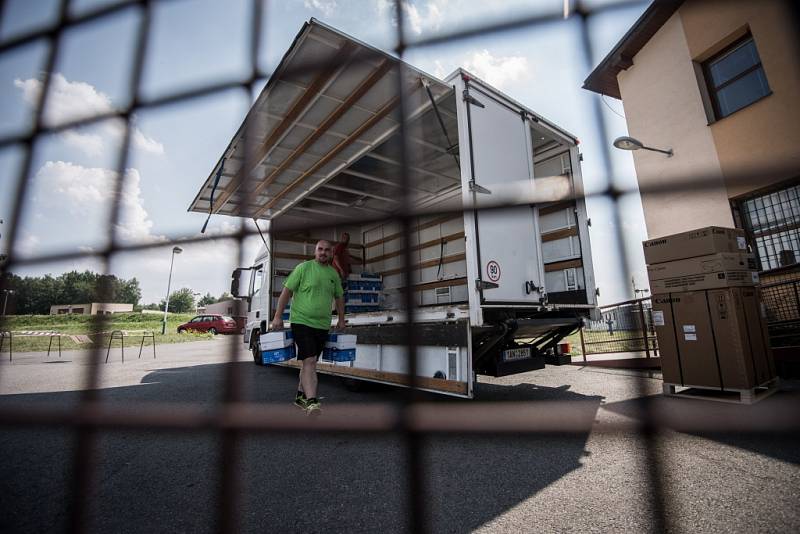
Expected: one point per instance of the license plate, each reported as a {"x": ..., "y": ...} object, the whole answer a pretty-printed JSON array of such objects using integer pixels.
[{"x": 510, "y": 355}]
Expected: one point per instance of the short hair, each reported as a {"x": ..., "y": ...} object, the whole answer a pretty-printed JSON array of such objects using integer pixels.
[{"x": 323, "y": 241}]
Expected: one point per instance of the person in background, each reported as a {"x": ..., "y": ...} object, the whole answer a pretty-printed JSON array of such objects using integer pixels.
[
  {"x": 312, "y": 285},
  {"x": 341, "y": 259}
]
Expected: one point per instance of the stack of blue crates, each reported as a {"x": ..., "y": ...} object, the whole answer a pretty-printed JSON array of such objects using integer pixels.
[
  {"x": 277, "y": 346},
  {"x": 362, "y": 292},
  {"x": 340, "y": 348}
]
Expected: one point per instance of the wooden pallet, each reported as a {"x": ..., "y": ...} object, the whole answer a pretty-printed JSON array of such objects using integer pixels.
[{"x": 735, "y": 396}]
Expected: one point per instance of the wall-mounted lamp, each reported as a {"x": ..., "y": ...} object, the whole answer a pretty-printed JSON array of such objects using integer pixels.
[{"x": 629, "y": 143}]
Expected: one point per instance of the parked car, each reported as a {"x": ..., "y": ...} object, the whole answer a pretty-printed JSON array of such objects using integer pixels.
[{"x": 214, "y": 323}]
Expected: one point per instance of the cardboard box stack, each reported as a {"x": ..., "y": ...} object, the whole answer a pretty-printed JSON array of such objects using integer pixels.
[
  {"x": 277, "y": 346},
  {"x": 362, "y": 292},
  {"x": 340, "y": 348},
  {"x": 707, "y": 310}
]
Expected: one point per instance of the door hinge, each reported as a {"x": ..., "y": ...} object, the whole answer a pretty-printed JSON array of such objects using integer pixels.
[
  {"x": 482, "y": 284},
  {"x": 475, "y": 188},
  {"x": 469, "y": 99}
]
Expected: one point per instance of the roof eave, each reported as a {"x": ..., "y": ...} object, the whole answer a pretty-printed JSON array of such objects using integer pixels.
[{"x": 603, "y": 79}]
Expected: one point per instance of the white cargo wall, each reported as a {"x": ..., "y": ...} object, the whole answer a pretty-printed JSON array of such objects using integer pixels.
[
  {"x": 439, "y": 273},
  {"x": 448, "y": 363}
]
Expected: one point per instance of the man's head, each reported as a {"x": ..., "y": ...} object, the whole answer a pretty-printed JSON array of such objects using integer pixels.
[
  {"x": 345, "y": 238},
  {"x": 322, "y": 252}
]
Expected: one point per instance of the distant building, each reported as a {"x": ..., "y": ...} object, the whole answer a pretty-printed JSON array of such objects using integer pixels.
[
  {"x": 93, "y": 308},
  {"x": 233, "y": 308}
]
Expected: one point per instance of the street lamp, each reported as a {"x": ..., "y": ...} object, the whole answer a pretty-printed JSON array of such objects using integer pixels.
[
  {"x": 6, "y": 292},
  {"x": 175, "y": 250},
  {"x": 630, "y": 143}
]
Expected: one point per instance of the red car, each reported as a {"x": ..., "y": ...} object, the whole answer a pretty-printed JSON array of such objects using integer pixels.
[{"x": 215, "y": 324}]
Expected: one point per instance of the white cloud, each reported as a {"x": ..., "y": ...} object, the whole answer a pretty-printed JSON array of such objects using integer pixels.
[
  {"x": 84, "y": 188},
  {"x": 327, "y": 7},
  {"x": 497, "y": 71},
  {"x": 69, "y": 101},
  {"x": 27, "y": 245},
  {"x": 429, "y": 17}
]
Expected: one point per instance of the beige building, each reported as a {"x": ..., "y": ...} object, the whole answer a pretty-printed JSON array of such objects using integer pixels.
[
  {"x": 716, "y": 82},
  {"x": 93, "y": 308},
  {"x": 233, "y": 308}
]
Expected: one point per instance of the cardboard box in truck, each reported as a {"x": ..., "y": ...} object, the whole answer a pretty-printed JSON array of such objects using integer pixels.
[{"x": 700, "y": 242}]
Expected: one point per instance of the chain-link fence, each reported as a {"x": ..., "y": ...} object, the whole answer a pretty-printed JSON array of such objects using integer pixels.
[{"x": 232, "y": 421}]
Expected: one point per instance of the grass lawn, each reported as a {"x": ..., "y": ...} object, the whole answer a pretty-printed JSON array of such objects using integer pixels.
[{"x": 83, "y": 325}]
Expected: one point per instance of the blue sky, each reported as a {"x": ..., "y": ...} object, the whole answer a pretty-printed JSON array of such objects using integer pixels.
[{"x": 197, "y": 42}]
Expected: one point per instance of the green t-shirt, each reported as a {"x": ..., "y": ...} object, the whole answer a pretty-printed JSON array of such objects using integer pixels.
[{"x": 314, "y": 286}]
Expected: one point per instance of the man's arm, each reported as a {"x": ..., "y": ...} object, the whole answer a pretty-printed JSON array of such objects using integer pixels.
[
  {"x": 277, "y": 320},
  {"x": 340, "y": 312}
]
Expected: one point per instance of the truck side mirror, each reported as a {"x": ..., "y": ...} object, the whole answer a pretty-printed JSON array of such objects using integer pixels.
[{"x": 235, "y": 276}]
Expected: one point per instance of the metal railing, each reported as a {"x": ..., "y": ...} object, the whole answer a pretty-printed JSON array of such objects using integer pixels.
[
  {"x": 625, "y": 327},
  {"x": 233, "y": 419}
]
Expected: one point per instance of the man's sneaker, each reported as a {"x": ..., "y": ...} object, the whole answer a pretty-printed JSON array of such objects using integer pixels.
[
  {"x": 300, "y": 401},
  {"x": 313, "y": 407}
]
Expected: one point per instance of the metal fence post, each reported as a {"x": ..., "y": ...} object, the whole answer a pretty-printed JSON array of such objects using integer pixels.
[
  {"x": 583, "y": 343},
  {"x": 644, "y": 328}
]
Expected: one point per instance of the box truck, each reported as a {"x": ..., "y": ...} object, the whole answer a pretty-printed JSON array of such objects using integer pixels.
[{"x": 501, "y": 260}]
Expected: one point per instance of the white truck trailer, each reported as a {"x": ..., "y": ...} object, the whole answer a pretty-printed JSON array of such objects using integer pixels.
[{"x": 502, "y": 266}]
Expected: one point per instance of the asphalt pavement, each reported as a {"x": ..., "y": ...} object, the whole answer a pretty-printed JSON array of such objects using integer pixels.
[{"x": 588, "y": 481}]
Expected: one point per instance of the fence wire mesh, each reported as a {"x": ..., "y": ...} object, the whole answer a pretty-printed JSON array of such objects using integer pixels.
[{"x": 233, "y": 419}]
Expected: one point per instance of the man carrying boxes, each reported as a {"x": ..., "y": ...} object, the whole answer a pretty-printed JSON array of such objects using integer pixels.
[
  {"x": 312, "y": 286},
  {"x": 707, "y": 312}
]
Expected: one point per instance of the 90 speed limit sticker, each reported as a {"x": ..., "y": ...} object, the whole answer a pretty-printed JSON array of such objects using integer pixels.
[{"x": 493, "y": 271}]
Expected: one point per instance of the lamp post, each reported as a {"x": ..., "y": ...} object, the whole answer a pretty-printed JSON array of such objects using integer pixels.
[
  {"x": 175, "y": 250},
  {"x": 630, "y": 143},
  {"x": 5, "y": 298}
]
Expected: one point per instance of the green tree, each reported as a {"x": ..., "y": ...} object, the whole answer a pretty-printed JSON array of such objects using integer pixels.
[
  {"x": 206, "y": 300},
  {"x": 35, "y": 295},
  {"x": 128, "y": 291},
  {"x": 181, "y": 301}
]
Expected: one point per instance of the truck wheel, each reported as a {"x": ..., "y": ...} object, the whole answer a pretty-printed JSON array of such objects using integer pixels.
[{"x": 254, "y": 348}]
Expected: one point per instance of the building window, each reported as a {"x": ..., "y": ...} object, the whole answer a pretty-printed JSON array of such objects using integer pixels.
[
  {"x": 773, "y": 222},
  {"x": 735, "y": 78}
]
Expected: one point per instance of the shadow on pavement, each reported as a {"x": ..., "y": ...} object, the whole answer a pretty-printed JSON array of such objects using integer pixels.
[
  {"x": 149, "y": 482},
  {"x": 781, "y": 447}
]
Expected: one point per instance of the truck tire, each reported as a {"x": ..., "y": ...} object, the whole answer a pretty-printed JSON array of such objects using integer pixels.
[{"x": 254, "y": 348}]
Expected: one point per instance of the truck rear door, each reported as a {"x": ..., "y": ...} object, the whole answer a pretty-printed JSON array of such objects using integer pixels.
[{"x": 507, "y": 240}]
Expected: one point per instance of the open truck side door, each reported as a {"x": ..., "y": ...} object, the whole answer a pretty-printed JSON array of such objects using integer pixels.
[{"x": 496, "y": 152}]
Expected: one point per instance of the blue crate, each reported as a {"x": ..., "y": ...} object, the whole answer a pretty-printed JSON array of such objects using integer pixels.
[
  {"x": 365, "y": 276},
  {"x": 277, "y": 355},
  {"x": 338, "y": 355}
]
